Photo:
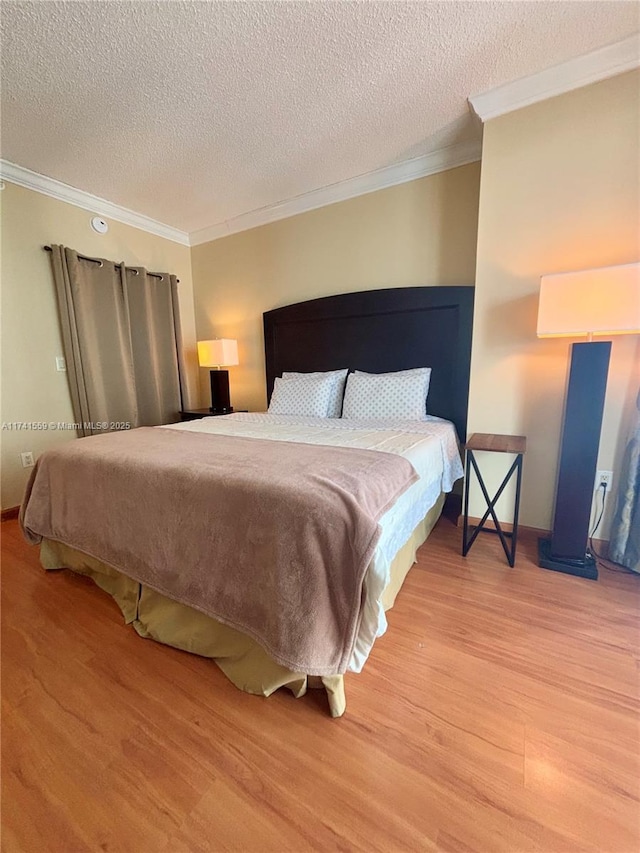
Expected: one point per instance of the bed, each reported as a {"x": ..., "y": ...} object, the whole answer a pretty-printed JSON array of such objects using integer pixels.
[{"x": 412, "y": 465}]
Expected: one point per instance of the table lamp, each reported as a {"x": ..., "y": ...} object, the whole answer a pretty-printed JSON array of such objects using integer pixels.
[
  {"x": 598, "y": 302},
  {"x": 219, "y": 353}
]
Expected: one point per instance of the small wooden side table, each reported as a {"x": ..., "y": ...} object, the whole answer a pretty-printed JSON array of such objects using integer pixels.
[
  {"x": 196, "y": 414},
  {"x": 494, "y": 443}
]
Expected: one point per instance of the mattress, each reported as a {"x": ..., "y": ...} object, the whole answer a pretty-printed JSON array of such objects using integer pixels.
[{"x": 430, "y": 445}]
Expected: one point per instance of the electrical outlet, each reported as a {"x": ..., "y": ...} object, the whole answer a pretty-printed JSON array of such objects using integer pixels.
[
  {"x": 27, "y": 459},
  {"x": 61, "y": 364},
  {"x": 604, "y": 477}
]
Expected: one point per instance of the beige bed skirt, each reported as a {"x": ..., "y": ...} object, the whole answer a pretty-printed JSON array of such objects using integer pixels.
[{"x": 242, "y": 660}]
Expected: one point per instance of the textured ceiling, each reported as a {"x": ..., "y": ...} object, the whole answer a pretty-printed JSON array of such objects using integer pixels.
[{"x": 196, "y": 112}]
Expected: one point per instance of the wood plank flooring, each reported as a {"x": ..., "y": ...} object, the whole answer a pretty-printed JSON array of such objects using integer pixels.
[{"x": 498, "y": 713}]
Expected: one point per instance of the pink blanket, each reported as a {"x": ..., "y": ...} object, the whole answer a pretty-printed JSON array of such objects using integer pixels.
[{"x": 273, "y": 538}]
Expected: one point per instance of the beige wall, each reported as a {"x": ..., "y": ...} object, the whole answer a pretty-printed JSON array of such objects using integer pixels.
[
  {"x": 32, "y": 389},
  {"x": 419, "y": 233},
  {"x": 559, "y": 191}
]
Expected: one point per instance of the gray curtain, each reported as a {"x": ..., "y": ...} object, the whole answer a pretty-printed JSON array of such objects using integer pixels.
[
  {"x": 121, "y": 336},
  {"x": 624, "y": 542}
]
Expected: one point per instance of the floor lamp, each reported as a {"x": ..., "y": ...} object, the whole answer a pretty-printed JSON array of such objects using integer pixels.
[
  {"x": 222, "y": 352},
  {"x": 602, "y": 302}
]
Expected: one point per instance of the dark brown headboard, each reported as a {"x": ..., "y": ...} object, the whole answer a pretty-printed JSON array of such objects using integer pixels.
[{"x": 379, "y": 331}]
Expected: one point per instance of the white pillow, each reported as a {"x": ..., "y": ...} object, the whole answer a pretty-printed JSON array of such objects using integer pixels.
[
  {"x": 338, "y": 377},
  {"x": 423, "y": 371},
  {"x": 387, "y": 395},
  {"x": 413, "y": 371},
  {"x": 305, "y": 397},
  {"x": 396, "y": 372}
]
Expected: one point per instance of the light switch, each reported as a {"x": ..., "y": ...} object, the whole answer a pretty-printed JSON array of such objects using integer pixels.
[
  {"x": 61, "y": 364},
  {"x": 27, "y": 459}
]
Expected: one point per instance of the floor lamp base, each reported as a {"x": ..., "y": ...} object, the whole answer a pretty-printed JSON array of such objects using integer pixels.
[{"x": 581, "y": 568}]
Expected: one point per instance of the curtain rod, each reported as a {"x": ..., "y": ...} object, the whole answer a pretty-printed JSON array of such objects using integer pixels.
[{"x": 117, "y": 266}]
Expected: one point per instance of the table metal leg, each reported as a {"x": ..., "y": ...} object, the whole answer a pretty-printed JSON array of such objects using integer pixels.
[
  {"x": 465, "y": 517},
  {"x": 516, "y": 512},
  {"x": 510, "y": 552}
]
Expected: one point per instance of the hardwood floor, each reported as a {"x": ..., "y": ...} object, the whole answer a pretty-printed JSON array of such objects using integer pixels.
[{"x": 499, "y": 713}]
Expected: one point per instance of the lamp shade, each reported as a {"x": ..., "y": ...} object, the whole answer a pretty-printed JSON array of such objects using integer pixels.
[
  {"x": 604, "y": 301},
  {"x": 222, "y": 352}
]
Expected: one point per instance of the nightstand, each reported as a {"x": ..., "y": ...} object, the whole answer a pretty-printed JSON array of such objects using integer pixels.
[
  {"x": 493, "y": 443},
  {"x": 196, "y": 414}
]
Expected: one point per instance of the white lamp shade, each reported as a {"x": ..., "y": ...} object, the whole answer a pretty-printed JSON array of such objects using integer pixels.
[
  {"x": 604, "y": 301},
  {"x": 222, "y": 352}
]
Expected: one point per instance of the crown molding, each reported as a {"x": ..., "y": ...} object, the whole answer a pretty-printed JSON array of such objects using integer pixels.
[
  {"x": 565, "y": 77},
  {"x": 390, "y": 176},
  {"x": 15, "y": 174},
  {"x": 399, "y": 173}
]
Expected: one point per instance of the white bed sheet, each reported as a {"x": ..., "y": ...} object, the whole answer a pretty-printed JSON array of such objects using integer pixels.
[{"x": 430, "y": 445}]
